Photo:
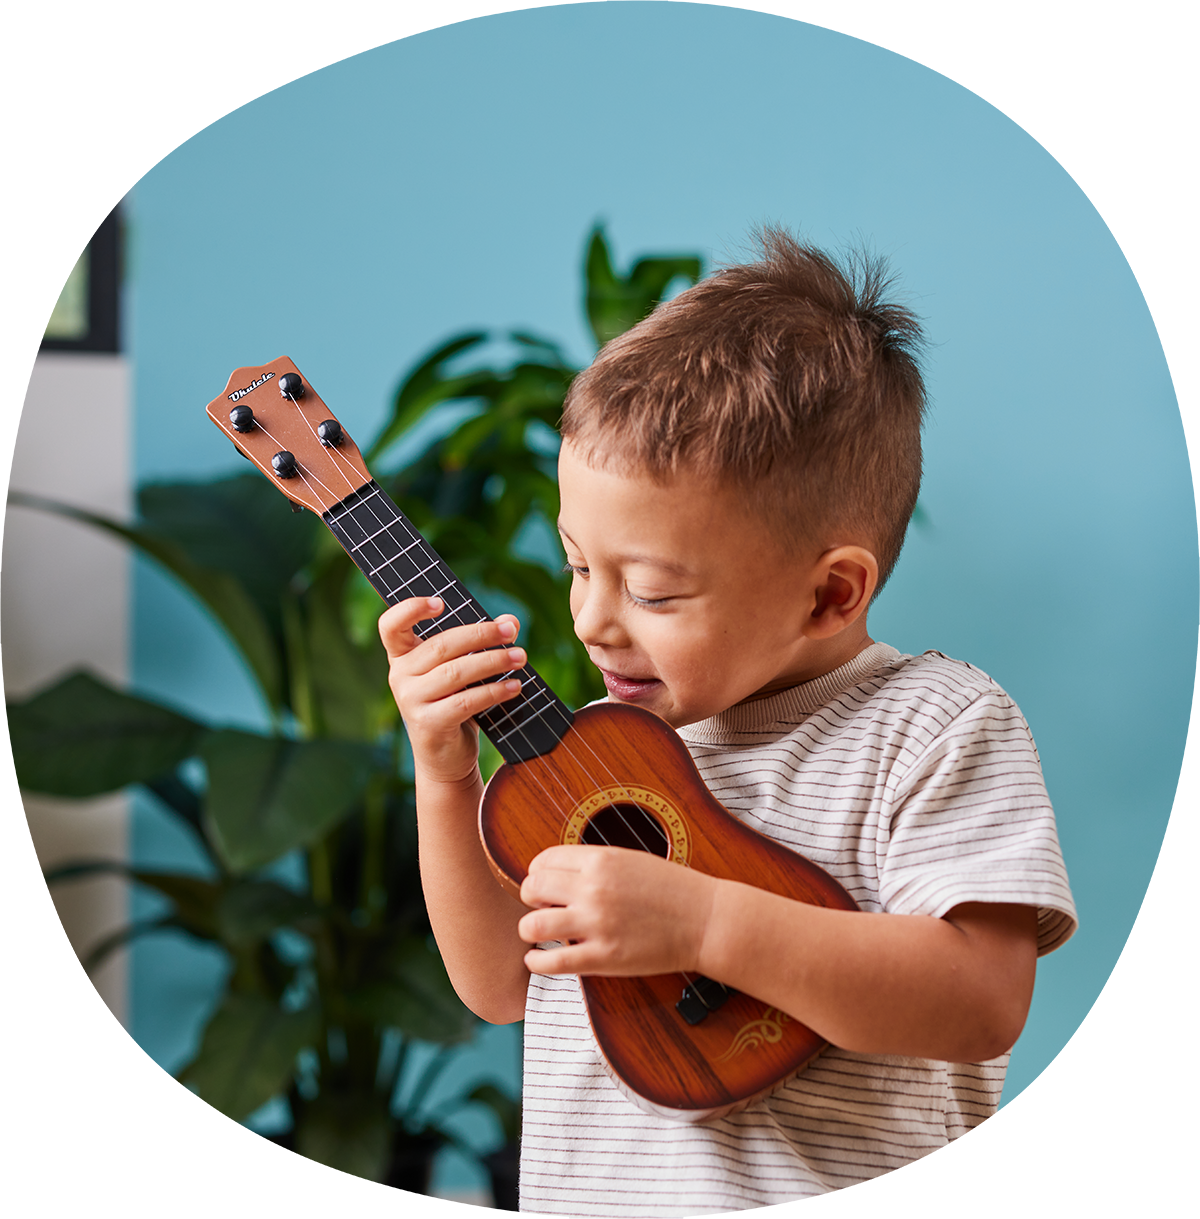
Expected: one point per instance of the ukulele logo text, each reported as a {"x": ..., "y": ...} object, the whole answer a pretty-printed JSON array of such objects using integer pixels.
[{"x": 241, "y": 393}]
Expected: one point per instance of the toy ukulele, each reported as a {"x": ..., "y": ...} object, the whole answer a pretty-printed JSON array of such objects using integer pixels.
[{"x": 680, "y": 1045}]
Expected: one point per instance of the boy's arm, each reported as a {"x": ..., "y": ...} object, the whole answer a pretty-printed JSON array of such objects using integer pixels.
[
  {"x": 955, "y": 988},
  {"x": 473, "y": 919}
]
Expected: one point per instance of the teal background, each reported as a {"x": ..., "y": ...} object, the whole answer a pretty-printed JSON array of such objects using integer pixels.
[{"x": 357, "y": 216}]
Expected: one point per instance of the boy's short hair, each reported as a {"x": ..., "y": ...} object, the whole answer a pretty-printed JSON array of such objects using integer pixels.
[{"x": 790, "y": 378}]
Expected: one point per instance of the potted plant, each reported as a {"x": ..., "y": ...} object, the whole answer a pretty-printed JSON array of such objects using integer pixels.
[{"x": 336, "y": 999}]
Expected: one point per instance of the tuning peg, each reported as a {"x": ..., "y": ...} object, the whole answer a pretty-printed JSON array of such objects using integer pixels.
[
  {"x": 242, "y": 418},
  {"x": 330, "y": 432},
  {"x": 291, "y": 386},
  {"x": 284, "y": 464}
]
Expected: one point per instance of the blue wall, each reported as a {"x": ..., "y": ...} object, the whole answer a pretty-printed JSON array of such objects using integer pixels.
[{"x": 359, "y": 215}]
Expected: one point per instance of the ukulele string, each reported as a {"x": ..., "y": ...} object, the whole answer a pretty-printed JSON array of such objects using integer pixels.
[
  {"x": 507, "y": 714},
  {"x": 384, "y": 527},
  {"x": 516, "y": 727}
]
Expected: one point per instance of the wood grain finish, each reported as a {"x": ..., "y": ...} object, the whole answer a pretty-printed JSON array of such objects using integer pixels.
[
  {"x": 324, "y": 474},
  {"x": 745, "y": 1048},
  {"x": 610, "y": 756}
]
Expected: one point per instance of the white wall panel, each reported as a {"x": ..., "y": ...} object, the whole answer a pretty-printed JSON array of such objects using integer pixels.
[{"x": 64, "y": 603}]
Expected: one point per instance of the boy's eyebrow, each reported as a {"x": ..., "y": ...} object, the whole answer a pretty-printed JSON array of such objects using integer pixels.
[{"x": 667, "y": 565}]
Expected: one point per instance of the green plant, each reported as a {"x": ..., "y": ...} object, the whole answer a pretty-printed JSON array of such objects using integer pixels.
[{"x": 336, "y": 998}]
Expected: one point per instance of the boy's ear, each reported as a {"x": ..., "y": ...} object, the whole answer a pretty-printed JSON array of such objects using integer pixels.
[{"x": 845, "y": 580}]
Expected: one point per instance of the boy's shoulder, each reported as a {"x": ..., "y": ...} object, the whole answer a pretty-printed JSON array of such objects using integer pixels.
[
  {"x": 934, "y": 680},
  {"x": 926, "y": 704}
]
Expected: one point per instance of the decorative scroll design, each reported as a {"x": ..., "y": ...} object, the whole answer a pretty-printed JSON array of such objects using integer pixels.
[{"x": 767, "y": 1030}]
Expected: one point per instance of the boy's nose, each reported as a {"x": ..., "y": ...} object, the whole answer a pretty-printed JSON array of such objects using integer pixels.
[{"x": 596, "y": 623}]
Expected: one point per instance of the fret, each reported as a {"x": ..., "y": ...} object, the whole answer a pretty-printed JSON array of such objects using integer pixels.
[
  {"x": 505, "y": 726},
  {"x": 376, "y": 570},
  {"x": 399, "y": 563}
]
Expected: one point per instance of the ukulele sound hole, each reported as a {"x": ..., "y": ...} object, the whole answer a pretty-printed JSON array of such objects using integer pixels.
[{"x": 627, "y": 825}]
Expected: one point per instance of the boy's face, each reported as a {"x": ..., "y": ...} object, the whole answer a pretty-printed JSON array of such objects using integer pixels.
[{"x": 685, "y": 604}]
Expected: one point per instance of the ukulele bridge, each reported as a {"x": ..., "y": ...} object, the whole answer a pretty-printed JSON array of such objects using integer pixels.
[{"x": 701, "y": 997}]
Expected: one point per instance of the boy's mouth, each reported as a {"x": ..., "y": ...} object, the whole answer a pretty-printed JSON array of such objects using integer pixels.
[{"x": 629, "y": 688}]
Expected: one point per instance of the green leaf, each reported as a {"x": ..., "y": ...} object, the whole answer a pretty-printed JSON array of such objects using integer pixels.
[
  {"x": 221, "y": 593},
  {"x": 90, "y": 867},
  {"x": 409, "y": 990},
  {"x": 239, "y": 525},
  {"x": 100, "y": 951},
  {"x": 507, "y": 1110},
  {"x": 301, "y": 698},
  {"x": 183, "y": 801},
  {"x": 349, "y": 682},
  {"x": 267, "y": 795},
  {"x": 598, "y": 270},
  {"x": 196, "y": 899},
  {"x": 528, "y": 391},
  {"x": 649, "y": 278},
  {"x": 348, "y": 1131},
  {"x": 614, "y": 302},
  {"x": 252, "y": 910},
  {"x": 81, "y": 737},
  {"x": 423, "y": 388},
  {"x": 551, "y": 350},
  {"x": 248, "y": 1052},
  {"x": 237, "y": 914}
]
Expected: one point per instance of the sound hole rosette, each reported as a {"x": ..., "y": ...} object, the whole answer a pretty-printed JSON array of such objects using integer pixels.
[{"x": 653, "y": 804}]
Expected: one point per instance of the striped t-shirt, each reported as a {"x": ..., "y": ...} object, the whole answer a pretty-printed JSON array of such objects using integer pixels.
[{"x": 915, "y": 782}]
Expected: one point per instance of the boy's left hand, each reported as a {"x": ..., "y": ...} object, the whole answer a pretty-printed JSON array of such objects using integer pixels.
[{"x": 615, "y": 911}]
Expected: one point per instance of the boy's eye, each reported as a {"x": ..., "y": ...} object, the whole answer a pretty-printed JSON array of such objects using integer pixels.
[
  {"x": 651, "y": 601},
  {"x": 574, "y": 569}
]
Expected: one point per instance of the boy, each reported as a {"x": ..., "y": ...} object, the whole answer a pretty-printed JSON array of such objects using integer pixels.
[{"x": 737, "y": 474}]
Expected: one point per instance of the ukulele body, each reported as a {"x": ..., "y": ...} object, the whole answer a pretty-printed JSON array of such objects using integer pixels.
[{"x": 622, "y": 776}]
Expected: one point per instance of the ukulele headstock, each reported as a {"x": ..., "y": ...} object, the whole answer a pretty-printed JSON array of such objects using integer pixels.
[{"x": 277, "y": 420}]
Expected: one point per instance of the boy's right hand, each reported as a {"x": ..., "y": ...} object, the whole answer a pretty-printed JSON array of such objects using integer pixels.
[{"x": 433, "y": 680}]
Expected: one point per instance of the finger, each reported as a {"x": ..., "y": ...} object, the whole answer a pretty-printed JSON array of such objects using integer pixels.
[
  {"x": 452, "y": 676},
  {"x": 547, "y": 961},
  {"x": 562, "y": 858},
  {"x": 552, "y": 923},
  {"x": 456, "y": 707},
  {"x": 456, "y": 642},
  {"x": 509, "y": 626},
  {"x": 397, "y": 621},
  {"x": 569, "y": 959},
  {"x": 549, "y": 886}
]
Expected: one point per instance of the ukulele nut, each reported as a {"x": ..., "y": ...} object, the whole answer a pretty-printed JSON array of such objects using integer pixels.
[
  {"x": 291, "y": 386},
  {"x": 284, "y": 464}
]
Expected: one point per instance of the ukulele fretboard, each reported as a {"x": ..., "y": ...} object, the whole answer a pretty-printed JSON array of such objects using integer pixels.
[{"x": 399, "y": 563}]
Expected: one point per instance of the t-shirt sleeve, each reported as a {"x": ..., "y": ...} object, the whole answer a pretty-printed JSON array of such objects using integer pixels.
[{"x": 971, "y": 821}]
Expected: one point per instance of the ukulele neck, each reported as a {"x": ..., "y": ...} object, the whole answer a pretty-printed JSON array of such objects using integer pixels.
[{"x": 399, "y": 564}]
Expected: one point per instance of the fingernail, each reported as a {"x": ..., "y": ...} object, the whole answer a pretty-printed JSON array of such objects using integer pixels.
[
  {"x": 516, "y": 655},
  {"x": 435, "y": 603},
  {"x": 512, "y": 685},
  {"x": 507, "y": 630}
]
